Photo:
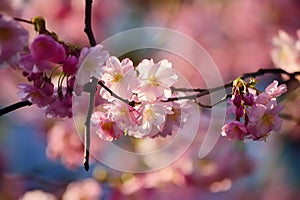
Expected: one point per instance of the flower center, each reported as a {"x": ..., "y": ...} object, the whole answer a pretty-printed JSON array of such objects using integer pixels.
[
  {"x": 268, "y": 119},
  {"x": 107, "y": 126},
  {"x": 153, "y": 81},
  {"x": 117, "y": 77},
  {"x": 149, "y": 115}
]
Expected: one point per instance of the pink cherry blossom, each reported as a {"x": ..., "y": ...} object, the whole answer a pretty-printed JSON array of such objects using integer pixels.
[
  {"x": 105, "y": 128},
  {"x": 151, "y": 120},
  {"x": 30, "y": 65},
  {"x": 120, "y": 77},
  {"x": 274, "y": 90},
  {"x": 285, "y": 53},
  {"x": 234, "y": 130},
  {"x": 13, "y": 39},
  {"x": 88, "y": 189},
  {"x": 124, "y": 115},
  {"x": 35, "y": 95},
  {"x": 156, "y": 79},
  {"x": 262, "y": 120},
  {"x": 90, "y": 63},
  {"x": 38, "y": 195},
  {"x": 60, "y": 107}
]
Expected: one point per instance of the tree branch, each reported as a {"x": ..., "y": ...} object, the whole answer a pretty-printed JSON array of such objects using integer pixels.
[
  {"x": 14, "y": 106},
  {"x": 91, "y": 88},
  {"x": 202, "y": 92},
  {"x": 88, "y": 22}
]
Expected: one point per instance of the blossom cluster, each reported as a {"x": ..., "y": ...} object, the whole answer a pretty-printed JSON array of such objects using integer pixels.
[
  {"x": 137, "y": 98},
  {"x": 256, "y": 112},
  {"x": 148, "y": 86}
]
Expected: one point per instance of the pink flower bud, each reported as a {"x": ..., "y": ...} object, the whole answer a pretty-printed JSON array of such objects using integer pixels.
[
  {"x": 45, "y": 48},
  {"x": 237, "y": 100},
  {"x": 234, "y": 130},
  {"x": 239, "y": 112},
  {"x": 70, "y": 65},
  {"x": 248, "y": 99}
]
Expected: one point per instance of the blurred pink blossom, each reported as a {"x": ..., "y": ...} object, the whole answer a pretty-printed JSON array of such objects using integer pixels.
[
  {"x": 88, "y": 189},
  {"x": 13, "y": 39}
]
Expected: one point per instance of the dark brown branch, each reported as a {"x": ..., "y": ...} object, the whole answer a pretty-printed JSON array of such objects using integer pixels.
[
  {"x": 202, "y": 92},
  {"x": 88, "y": 22},
  {"x": 258, "y": 73},
  {"x": 14, "y": 106},
  {"x": 131, "y": 103},
  {"x": 93, "y": 84}
]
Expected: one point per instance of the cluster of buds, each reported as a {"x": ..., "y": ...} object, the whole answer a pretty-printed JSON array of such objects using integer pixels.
[{"x": 256, "y": 113}]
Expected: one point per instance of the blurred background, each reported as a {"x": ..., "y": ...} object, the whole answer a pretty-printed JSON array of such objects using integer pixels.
[{"x": 41, "y": 158}]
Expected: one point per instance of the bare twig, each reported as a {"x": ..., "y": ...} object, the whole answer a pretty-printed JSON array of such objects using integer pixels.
[
  {"x": 88, "y": 22},
  {"x": 14, "y": 106},
  {"x": 91, "y": 88}
]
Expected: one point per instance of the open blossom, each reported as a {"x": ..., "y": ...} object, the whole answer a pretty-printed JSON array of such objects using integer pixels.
[
  {"x": 38, "y": 195},
  {"x": 35, "y": 95},
  {"x": 105, "y": 128},
  {"x": 90, "y": 63},
  {"x": 234, "y": 130},
  {"x": 151, "y": 120},
  {"x": 124, "y": 115},
  {"x": 262, "y": 120},
  {"x": 286, "y": 51},
  {"x": 88, "y": 189},
  {"x": 120, "y": 77},
  {"x": 13, "y": 39},
  {"x": 274, "y": 90},
  {"x": 156, "y": 79}
]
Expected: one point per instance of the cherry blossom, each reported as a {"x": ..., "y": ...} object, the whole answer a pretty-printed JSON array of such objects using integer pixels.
[
  {"x": 83, "y": 189},
  {"x": 285, "y": 53},
  {"x": 38, "y": 195},
  {"x": 262, "y": 120},
  {"x": 274, "y": 91},
  {"x": 234, "y": 130},
  {"x": 156, "y": 79},
  {"x": 105, "y": 128},
  {"x": 13, "y": 39},
  {"x": 36, "y": 95},
  {"x": 90, "y": 63},
  {"x": 151, "y": 120},
  {"x": 256, "y": 115},
  {"x": 120, "y": 77}
]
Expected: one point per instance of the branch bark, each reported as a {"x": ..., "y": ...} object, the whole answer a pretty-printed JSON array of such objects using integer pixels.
[
  {"x": 88, "y": 22},
  {"x": 14, "y": 106}
]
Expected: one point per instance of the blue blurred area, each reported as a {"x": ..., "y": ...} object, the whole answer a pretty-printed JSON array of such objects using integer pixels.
[{"x": 23, "y": 148}]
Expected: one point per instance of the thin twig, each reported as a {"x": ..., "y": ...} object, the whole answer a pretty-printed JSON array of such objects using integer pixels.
[
  {"x": 14, "y": 106},
  {"x": 88, "y": 23},
  {"x": 93, "y": 84},
  {"x": 131, "y": 103},
  {"x": 91, "y": 88},
  {"x": 258, "y": 73},
  {"x": 23, "y": 20},
  {"x": 289, "y": 117}
]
